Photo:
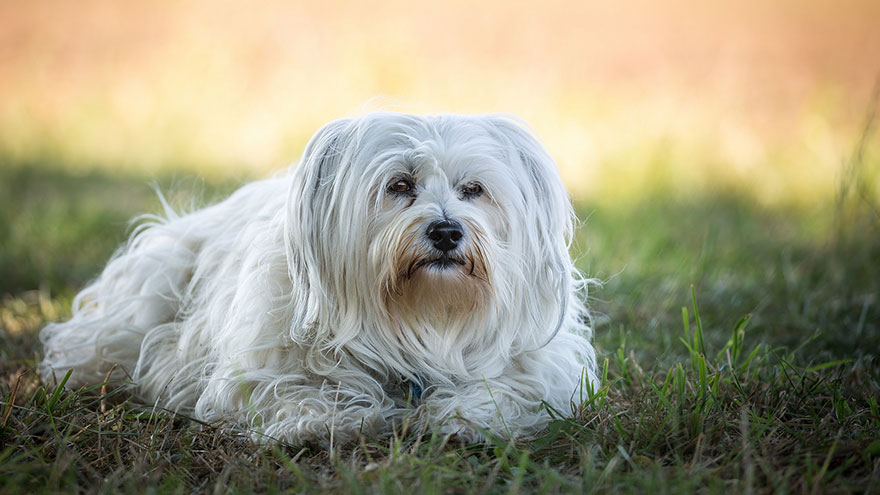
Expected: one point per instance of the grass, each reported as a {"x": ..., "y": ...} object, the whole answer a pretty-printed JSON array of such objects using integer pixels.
[{"x": 739, "y": 345}]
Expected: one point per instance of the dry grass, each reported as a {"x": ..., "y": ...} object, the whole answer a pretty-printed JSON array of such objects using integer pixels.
[{"x": 746, "y": 421}]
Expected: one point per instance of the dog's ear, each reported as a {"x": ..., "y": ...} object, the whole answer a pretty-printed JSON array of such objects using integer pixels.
[
  {"x": 320, "y": 162},
  {"x": 309, "y": 213},
  {"x": 550, "y": 210},
  {"x": 547, "y": 229}
]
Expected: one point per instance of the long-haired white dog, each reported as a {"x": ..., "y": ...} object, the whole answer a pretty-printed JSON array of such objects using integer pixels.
[{"x": 410, "y": 267}]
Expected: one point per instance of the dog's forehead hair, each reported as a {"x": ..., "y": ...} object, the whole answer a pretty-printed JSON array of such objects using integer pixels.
[
  {"x": 432, "y": 163},
  {"x": 438, "y": 154}
]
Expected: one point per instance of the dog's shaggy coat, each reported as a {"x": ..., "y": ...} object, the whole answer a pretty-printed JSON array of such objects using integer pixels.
[{"x": 315, "y": 304}]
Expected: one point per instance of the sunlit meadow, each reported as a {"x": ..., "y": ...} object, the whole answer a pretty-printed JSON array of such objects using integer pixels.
[
  {"x": 723, "y": 157},
  {"x": 768, "y": 96}
]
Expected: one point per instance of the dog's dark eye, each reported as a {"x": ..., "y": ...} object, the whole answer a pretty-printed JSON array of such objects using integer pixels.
[
  {"x": 472, "y": 190},
  {"x": 401, "y": 186}
]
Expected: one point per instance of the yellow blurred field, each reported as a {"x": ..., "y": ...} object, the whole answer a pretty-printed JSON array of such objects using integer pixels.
[{"x": 764, "y": 96}]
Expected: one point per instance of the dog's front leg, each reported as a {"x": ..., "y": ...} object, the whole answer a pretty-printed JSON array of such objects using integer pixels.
[
  {"x": 295, "y": 410},
  {"x": 502, "y": 406}
]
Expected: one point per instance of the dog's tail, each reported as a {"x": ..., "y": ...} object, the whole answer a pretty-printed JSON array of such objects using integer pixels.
[{"x": 141, "y": 290}]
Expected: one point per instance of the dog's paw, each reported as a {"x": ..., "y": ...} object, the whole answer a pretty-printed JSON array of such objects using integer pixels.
[{"x": 461, "y": 430}]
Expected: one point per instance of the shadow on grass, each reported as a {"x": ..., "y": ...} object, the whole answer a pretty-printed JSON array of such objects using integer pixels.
[
  {"x": 798, "y": 271},
  {"x": 58, "y": 227},
  {"x": 803, "y": 273}
]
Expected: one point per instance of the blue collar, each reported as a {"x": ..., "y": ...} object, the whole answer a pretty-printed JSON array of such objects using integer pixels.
[{"x": 415, "y": 390}]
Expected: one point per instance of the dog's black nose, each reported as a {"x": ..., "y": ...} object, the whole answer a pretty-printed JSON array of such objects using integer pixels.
[{"x": 445, "y": 234}]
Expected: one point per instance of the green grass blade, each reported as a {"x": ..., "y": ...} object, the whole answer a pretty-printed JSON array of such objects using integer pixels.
[{"x": 698, "y": 337}]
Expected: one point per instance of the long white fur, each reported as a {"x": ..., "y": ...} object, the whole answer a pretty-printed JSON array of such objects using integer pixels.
[{"x": 292, "y": 308}]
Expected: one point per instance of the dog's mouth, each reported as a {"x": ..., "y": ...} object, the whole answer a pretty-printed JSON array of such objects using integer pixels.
[{"x": 442, "y": 262}]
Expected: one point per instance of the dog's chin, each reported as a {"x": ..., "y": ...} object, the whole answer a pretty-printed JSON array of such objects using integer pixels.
[{"x": 442, "y": 282}]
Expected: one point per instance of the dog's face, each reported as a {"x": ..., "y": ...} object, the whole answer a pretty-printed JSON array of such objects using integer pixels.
[
  {"x": 437, "y": 225},
  {"x": 431, "y": 221}
]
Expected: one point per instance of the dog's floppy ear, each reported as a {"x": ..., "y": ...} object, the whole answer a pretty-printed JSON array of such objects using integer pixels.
[
  {"x": 308, "y": 214},
  {"x": 552, "y": 213},
  {"x": 320, "y": 162},
  {"x": 549, "y": 225}
]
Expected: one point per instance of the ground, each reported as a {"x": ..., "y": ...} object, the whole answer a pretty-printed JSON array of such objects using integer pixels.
[{"x": 738, "y": 342}]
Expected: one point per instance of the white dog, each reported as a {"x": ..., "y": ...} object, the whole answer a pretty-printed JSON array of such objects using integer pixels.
[{"x": 410, "y": 266}]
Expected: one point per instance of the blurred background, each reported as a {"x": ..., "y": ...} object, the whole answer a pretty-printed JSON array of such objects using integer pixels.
[
  {"x": 729, "y": 145},
  {"x": 767, "y": 96}
]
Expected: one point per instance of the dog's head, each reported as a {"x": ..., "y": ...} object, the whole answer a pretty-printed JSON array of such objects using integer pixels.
[{"x": 430, "y": 225}]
